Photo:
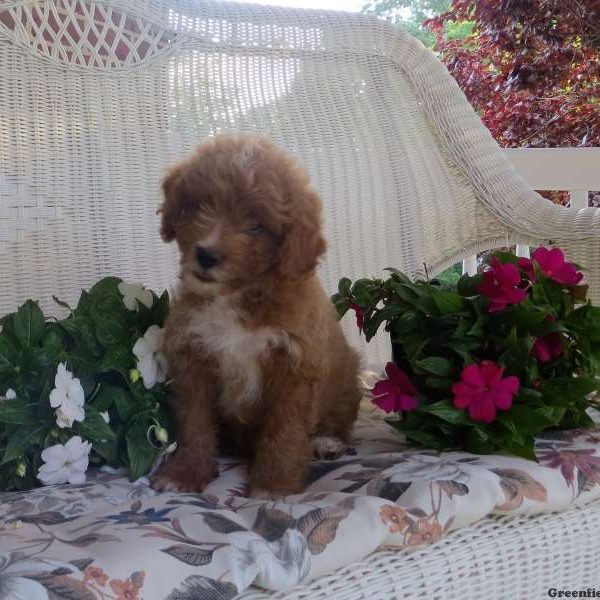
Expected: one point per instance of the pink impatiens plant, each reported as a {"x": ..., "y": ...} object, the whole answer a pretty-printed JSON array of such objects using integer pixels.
[{"x": 490, "y": 362}]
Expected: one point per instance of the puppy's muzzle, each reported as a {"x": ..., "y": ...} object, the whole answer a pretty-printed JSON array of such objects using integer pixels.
[{"x": 206, "y": 257}]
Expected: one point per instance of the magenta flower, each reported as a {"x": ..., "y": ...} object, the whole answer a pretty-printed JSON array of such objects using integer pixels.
[
  {"x": 527, "y": 265},
  {"x": 552, "y": 264},
  {"x": 500, "y": 284},
  {"x": 396, "y": 393},
  {"x": 483, "y": 390},
  {"x": 360, "y": 315},
  {"x": 547, "y": 347}
]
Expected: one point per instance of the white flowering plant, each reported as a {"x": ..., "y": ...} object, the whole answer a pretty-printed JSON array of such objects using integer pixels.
[{"x": 87, "y": 389}]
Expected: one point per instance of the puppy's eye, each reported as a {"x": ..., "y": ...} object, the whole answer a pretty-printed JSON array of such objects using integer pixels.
[{"x": 255, "y": 229}]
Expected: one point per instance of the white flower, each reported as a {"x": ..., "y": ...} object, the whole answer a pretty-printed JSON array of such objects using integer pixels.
[
  {"x": 10, "y": 394},
  {"x": 105, "y": 416},
  {"x": 152, "y": 363},
  {"x": 134, "y": 293},
  {"x": 67, "y": 462},
  {"x": 68, "y": 397}
]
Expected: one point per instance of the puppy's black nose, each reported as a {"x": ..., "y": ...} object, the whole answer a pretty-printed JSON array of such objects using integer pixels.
[{"x": 206, "y": 258}]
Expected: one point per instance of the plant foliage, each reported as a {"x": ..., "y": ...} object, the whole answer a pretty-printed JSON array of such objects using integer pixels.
[{"x": 95, "y": 343}]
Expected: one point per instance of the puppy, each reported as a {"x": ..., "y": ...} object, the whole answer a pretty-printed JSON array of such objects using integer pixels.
[{"x": 259, "y": 363}]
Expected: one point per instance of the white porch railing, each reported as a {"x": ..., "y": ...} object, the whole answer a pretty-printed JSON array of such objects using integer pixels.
[{"x": 575, "y": 170}]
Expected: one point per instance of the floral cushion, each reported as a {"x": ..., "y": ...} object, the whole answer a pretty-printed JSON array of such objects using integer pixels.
[{"x": 109, "y": 538}]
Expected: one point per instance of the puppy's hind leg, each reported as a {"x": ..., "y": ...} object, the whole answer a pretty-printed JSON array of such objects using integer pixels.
[{"x": 339, "y": 409}]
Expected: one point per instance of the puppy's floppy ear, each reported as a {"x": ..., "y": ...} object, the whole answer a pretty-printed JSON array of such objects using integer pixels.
[
  {"x": 302, "y": 243},
  {"x": 173, "y": 205}
]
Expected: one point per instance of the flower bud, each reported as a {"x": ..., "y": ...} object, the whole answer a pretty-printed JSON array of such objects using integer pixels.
[
  {"x": 162, "y": 435},
  {"x": 21, "y": 469},
  {"x": 134, "y": 375}
]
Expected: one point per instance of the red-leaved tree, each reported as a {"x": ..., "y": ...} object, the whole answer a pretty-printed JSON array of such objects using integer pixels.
[{"x": 531, "y": 68}]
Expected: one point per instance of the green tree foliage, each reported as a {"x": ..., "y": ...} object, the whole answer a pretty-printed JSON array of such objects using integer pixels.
[{"x": 410, "y": 14}]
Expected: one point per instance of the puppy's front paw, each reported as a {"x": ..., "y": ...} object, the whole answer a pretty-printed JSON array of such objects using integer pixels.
[
  {"x": 262, "y": 494},
  {"x": 177, "y": 475},
  {"x": 327, "y": 447}
]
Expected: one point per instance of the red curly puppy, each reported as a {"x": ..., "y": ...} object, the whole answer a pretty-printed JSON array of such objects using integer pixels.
[{"x": 259, "y": 363}]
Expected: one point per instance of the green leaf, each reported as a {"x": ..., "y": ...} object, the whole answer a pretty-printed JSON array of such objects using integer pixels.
[
  {"x": 20, "y": 441},
  {"x": 105, "y": 397},
  {"x": 17, "y": 412},
  {"x": 478, "y": 440},
  {"x": 81, "y": 329},
  {"x": 562, "y": 391},
  {"x": 139, "y": 451},
  {"x": 117, "y": 359},
  {"x": 416, "y": 294},
  {"x": 110, "y": 332},
  {"x": 14, "y": 448},
  {"x": 527, "y": 419},
  {"x": 576, "y": 419},
  {"x": 463, "y": 351},
  {"x": 527, "y": 394},
  {"x": 83, "y": 305},
  {"x": 160, "y": 309},
  {"x": 385, "y": 314},
  {"x": 96, "y": 430},
  {"x": 586, "y": 320},
  {"x": 124, "y": 403},
  {"x": 467, "y": 285},
  {"x": 439, "y": 383},
  {"x": 407, "y": 322},
  {"x": 447, "y": 302},
  {"x": 106, "y": 287},
  {"x": 344, "y": 286},
  {"x": 442, "y": 367},
  {"x": 28, "y": 323},
  {"x": 413, "y": 351},
  {"x": 406, "y": 292},
  {"x": 426, "y": 439},
  {"x": 365, "y": 292},
  {"x": 445, "y": 411},
  {"x": 524, "y": 448},
  {"x": 398, "y": 275},
  {"x": 517, "y": 356},
  {"x": 341, "y": 305},
  {"x": 8, "y": 356},
  {"x": 53, "y": 342},
  {"x": 477, "y": 330}
]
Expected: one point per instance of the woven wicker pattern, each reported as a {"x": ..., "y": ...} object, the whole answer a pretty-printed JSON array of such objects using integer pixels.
[
  {"x": 98, "y": 98},
  {"x": 87, "y": 34},
  {"x": 496, "y": 559}
]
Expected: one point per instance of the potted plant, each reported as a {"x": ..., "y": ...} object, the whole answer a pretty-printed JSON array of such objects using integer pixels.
[
  {"x": 90, "y": 388},
  {"x": 488, "y": 363}
]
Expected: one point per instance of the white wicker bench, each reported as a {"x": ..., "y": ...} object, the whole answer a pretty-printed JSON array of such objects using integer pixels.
[
  {"x": 498, "y": 558},
  {"x": 97, "y": 98}
]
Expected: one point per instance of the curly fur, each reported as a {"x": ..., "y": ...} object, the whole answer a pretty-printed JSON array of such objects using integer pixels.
[{"x": 258, "y": 358}]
